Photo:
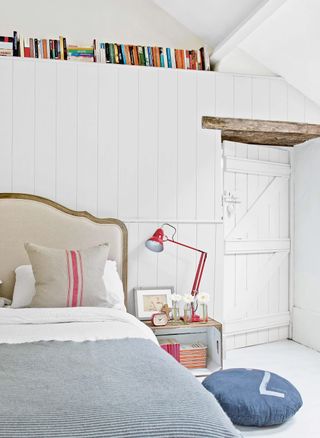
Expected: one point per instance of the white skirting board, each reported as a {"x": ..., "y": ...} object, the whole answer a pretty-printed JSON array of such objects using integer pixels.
[
  {"x": 257, "y": 330},
  {"x": 306, "y": 327},
  {"x": 256, "y": 337}
]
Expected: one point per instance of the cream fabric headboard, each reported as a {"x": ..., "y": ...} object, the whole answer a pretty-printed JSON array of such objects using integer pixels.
[{"x": 28, "y": 218}]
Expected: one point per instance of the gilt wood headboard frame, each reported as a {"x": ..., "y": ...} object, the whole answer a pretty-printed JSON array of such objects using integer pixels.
[{"x": 86, "y": 222}]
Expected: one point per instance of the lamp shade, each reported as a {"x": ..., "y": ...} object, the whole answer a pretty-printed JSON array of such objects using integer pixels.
[{"x": 155, "y": 243}]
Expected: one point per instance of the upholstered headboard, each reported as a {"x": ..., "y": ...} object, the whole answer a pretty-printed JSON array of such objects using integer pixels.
[{"x": 29, "y": 218}]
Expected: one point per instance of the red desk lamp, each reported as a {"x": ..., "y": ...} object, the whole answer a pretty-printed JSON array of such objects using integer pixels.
[{"x": 155, "y": 244}]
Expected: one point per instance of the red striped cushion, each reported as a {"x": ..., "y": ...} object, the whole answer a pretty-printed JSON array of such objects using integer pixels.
[{"x": 68, "y": 277}]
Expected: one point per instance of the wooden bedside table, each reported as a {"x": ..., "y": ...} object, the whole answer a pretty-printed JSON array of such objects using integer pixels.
[{"x": 209, "y": 333}]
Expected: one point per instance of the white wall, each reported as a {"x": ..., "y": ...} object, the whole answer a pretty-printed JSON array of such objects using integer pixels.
[
  {"x": 138, "y": 22},
  {"x": 123, "y": 142},
  {"x": 127, "y": 142},
  {"x": 238, "y": 61},
  {"x": 306, "y": 312}
]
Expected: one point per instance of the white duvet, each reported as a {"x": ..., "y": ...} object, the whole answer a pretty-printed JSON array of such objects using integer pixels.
[{"x": 69, "y": 324}]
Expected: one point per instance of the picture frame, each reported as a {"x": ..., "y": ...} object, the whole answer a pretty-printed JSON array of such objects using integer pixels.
[{"x": 149, "y": 300}]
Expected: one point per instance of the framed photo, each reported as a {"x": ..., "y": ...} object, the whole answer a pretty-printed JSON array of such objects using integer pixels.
[{"x": 150, "y": 300}]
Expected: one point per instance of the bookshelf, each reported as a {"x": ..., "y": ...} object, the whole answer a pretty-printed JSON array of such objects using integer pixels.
[{"x": 105, "y": 53}]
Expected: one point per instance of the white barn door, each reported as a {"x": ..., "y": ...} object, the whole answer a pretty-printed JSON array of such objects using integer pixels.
[{"x": 257, "y": 244}]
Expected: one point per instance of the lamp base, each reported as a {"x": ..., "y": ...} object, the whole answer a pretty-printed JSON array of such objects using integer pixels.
[{"x": 196, "y": 318}]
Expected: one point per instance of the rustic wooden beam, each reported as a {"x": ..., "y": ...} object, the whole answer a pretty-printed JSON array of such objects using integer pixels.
[{"x": 262, "y": 132}]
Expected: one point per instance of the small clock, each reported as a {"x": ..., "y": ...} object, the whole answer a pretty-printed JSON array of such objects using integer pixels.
[{"x": 159, "y": 319}]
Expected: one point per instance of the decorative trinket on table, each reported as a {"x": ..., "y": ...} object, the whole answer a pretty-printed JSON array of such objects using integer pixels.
[
  {"x": 166, "y": 309},
  {"x": 159, "y": 319}
]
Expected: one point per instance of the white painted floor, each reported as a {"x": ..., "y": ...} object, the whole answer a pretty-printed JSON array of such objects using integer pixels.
[{"x": 296, "y": 363}]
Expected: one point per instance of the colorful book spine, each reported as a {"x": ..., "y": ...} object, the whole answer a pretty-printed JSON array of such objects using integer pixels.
[
  {"x": 150, "y": 57},
  {"x": 65, "y": 49},
  {"x": 102, "y": 56},
  {"x": 27, "y": 51},
  {"x": 127, "y": 53},
  {"x": 40, "y": 50},
  {"x": 136, "y": 55},
  {"x": 120, "y": 54},
  {"x": 157, "y": 49},
  {"x": 61, "y": 47},
  {"x": 107, "y": 53},
  {"x": 173, "y": 350},
  {"x": 131, "y": 52},
  {"x": 116, "y": 53},
  {"x": 168, "y": 53},
  {"x": 123, "y": 54},
  {"x": 51, "y": 48},
  {"x": 141, "y": 56},
  {"x": 112, "y": 55},
  {"x": 36, "y": 48},
  {"x": 161, "y": 57},
  {"x": 15, "y": 44}
]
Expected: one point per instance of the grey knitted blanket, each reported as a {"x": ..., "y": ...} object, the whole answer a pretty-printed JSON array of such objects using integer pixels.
[{"x": 115, "y": 388}]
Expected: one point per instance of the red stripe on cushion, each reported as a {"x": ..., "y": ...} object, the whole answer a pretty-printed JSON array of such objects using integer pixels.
[
  {"x": 81, "y": 274},
  {"x": 69, "y": 279},
  {"x": 75, "y": 279}
]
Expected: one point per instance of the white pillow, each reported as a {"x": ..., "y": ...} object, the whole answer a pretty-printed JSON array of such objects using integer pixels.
[
  {"x": 24, "y": 288},
  {"x": 114, "y": 286}
]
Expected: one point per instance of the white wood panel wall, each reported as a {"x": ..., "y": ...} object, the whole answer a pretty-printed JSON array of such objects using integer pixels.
[
  {"x": 122, "y": 142},
  {"x": 127, "y": 142}
]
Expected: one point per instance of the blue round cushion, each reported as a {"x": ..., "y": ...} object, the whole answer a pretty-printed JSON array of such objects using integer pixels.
[{"x": 254, "y": 397}]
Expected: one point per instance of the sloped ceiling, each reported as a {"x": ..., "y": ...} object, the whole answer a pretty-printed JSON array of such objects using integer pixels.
[
  {"x": 281, "y": 36},
  {"x": 211, "y": 20},
  {"x": 288, "y": 44}
]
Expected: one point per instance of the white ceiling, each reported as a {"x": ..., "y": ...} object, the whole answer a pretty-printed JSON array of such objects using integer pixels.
[
  {"x": 288, "y": 44},
  {"x": 211, "y": 20}
]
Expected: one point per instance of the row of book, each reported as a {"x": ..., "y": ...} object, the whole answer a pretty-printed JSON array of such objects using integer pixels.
[
  {"x": 153, "y": 56},
  {"x": 33, "y": 47},
  {"x": 110, "y": 53},
  {"x": 189, "y": 355}
]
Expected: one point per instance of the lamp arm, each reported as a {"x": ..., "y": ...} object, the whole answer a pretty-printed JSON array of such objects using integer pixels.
[
  {"x": 186, "y": 246},
  {"x": 198, "y": 277},
  {"x": 200, "y": 268}
]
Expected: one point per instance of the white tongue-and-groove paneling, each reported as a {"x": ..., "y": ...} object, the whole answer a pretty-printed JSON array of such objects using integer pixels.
[
  {"x": 23, "y": 126},
  {"x": 121, "y": 142},
  {"x": 6, "y": 78},
  {"x": 45, "y": 130},
  {"x": 127, "y": 142},
  {"x": 66, "y": 147}
]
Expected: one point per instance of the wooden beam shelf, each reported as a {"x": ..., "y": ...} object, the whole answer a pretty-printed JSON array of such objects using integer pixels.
[{"x": 262, "y": 132}]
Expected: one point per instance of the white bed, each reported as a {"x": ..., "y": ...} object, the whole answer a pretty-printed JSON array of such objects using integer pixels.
[{"x": 87, "y": 371}]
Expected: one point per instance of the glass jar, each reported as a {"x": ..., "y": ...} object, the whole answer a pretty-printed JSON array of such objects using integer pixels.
[
  {"x": 204, "y": 312},
  {"x": 176, "y": 311},
  {"x": 187, "y": 314}
]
